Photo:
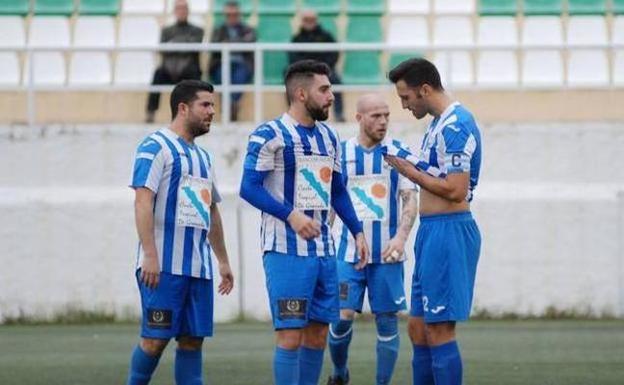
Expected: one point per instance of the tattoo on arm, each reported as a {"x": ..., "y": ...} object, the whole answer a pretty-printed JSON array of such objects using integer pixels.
[{"x": 409, "y": 210}]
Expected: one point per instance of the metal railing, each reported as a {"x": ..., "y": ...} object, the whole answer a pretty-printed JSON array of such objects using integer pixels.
[{"x": 258, "y": 86}]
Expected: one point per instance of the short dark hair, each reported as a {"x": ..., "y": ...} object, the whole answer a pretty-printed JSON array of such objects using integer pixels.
[
  {"x": 304, "y": 70},
  {"x": 415, "y": 72},
  {"x": 231, "y": 4},
  {"x": 186, "y": 92}
]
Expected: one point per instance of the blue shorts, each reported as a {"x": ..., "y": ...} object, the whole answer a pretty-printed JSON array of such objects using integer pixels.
[
  {"x": 384, "y": 282},
  {"x": 301, "y": 289},
  {"x": 178, "y": 306},
  {"x": 447, "y": 251}
]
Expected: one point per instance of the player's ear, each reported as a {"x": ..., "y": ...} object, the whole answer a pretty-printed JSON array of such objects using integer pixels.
[
  {"x": 300, "y": 94},
  {"x": 182, "y": 108},
  {"x": 358, "y": 117}
]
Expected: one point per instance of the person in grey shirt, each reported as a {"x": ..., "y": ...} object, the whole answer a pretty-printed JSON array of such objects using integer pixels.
[
  {"x": 176, "y": 66},
  {"x": 233, "y": 30}
]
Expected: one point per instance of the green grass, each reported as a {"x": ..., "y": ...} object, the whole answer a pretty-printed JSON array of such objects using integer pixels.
[{"x": 494, "y": 352}]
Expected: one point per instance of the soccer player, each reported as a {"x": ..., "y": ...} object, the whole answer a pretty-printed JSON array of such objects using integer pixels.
[
  {"x": 179, "y": 226},
  {"x": 448, "y": 241},
  {"x": 385, "y": 203},
  {"x": 292, "y": 174}
]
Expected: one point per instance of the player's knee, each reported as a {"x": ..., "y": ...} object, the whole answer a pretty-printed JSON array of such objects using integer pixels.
[
  {"x": 417, "y": 331},
  {"x": 387, "y": 324},
  {"x": 289, "y": 339},
  {"x": 153, "y": 347},
  {"x": 315, "y": 336},
  {"x": 347, "y": 314},
  {"x": 190, "y": 343},
  {"x": 440, "y": 333}
]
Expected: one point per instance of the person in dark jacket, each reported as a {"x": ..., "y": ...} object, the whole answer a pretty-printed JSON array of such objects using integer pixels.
[
  {"x": 312, "y": 32},
  {"x": 233, "y": 30},
  {"x": 176, "y": 66}
]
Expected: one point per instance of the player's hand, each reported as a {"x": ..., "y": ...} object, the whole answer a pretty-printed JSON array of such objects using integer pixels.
[
  {"x": 150, "y": 270},
  {"x": 361, "y": 248},
  {"x": 306, "y": 227},
  {"x": 394, "y": 250},
  {"x": 401, "y": 165},
  {"x": 227, "y": 279}
]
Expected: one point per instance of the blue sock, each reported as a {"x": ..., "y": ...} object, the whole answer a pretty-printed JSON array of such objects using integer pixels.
[
  {"x": 286, "y": 366},
  {"x": 422, "y": 373},
  {"x": 388, "y": 341},
  {"x": 447, "y": 364},
  {"x": 142, "y": 366},
  {"x": 188, "y": 367},
  {"x": 339, "y": 339},
  {"x": 310, "y": 364}
]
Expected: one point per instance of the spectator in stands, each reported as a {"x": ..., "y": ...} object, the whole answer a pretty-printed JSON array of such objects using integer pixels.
[
  {"x": 312, "y": 32},
  {"x": 176, "y": 66},
  {"x": 233, "y": 30}
]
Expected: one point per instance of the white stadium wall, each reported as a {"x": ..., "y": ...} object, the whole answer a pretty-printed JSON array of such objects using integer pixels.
[{"x": 547, "y": 205}]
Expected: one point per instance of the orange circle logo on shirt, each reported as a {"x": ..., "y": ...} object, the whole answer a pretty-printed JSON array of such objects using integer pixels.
[
  {"x": 206, "y": 196},
  {"x": 378, "y": 190},
  {"x": 325, "y": 174}
]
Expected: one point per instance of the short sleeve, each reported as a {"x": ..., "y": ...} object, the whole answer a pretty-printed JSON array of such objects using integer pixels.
[
  {"x": 338, "y": 150},
  {"x": 149, "y": 164},
  {"x": 261, "y": 149},
  {"x": 216, "y": 196},
  {"x": 402, "y": 150},
  {"x": 460, "y": 145}
]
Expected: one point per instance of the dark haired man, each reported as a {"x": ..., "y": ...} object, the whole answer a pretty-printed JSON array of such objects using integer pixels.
[
  {"x": 179, "y": 226},
  {"x": 292, "y": 174},
  {"x": 448, "y": 241}
]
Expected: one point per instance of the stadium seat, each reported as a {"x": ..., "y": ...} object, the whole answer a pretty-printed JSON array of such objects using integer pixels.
[
  {"x": 399, "y": 57},
  {"x": 53, "y": 7},
  {"x": 618, "y": 7},
  {"x": 274, "y": 28},
  {"x": 464, "y": 7},
  {"x": 49, "y": 69},
  {"x": 420, "y": 7},
  {"x": 497, "y": 31},
  {"x": 322, "y": 7},
  {"x": 453, "y": 30},
  {"x": 376, "y": 7},
  {"x": 587, "y": 7},
  {"x": 617, "y": 30},
  {"x": 138, "y": 31},
  {"x": 134, "y": 68},
  {"x": 497, "y": 68},
  {"x": 542, "y": 68},
  {"x": 498, "y": 7},
  {"x": 587, "y": 30},
  {"x": 147, "y": 7},
  {"x": 98, "y": 7},
  {"x": 94, "y": 31},
  {"x": 364, "y": 29},
  {"x": 362, "y": 67},
  {"x": 402, "y": 27},
  {"x": 276, "y": 7},
  {"x": 12, "y": 33},
  {"x": 328, "y": 22},
  {"x": 246, "y": 6},
  {"x": 618, "y": 68},
  {"x": 93, "y": 68},
  {"x": 542, "y": 31},
  {"x": 195, "y": 6},
  {"x": 49, "y": 31},
  {"x": 588, "y": 68},
  {"x": 14, "y": 7},
  {"x": 543, "y": 7},
  {"x": 456, "y": 68},
  {"x": 9, "y": 69}
]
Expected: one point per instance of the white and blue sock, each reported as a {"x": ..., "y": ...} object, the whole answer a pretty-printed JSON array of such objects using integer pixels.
[
  {"x": 422, "y": 373},
  {"x": 286, "y": 366},
  {"x": 310, "y": 364},
  {"x": 388, "y": 342},
  {"x": 142, "y": 367},
  {"x": 447, "y": 364},
  {"x": 339, "y": 339},
  {"x": 188, "y": 367}
]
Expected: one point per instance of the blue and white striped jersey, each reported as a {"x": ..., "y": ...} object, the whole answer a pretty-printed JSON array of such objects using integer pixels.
[
  {"x": 183, "y": 179},
  {"x": 374, "y": 188},
  {"x": 299, "y": 161},
  {"x": 452, "y": 144}
]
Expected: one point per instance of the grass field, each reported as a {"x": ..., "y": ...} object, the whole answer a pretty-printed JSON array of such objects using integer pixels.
[{"x": 494, "y": 352}]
